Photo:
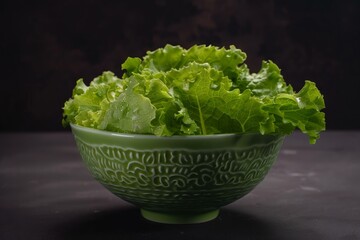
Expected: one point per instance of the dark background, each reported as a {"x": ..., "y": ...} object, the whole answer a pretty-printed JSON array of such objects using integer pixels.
[{"x": 47, "y": 45}]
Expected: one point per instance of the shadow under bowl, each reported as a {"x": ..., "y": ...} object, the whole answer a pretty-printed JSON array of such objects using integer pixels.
[{"x": 177, "y": 179}]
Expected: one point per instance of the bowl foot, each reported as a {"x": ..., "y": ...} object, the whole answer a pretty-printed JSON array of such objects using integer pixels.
[{"x": 179, "y": 218}]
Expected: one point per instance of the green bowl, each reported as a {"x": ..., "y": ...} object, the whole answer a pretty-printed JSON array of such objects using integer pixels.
[{"x": 178, "y": 179}]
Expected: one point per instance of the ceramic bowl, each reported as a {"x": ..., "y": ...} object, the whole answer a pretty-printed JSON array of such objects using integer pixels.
[{"x": 178, "y": 179}]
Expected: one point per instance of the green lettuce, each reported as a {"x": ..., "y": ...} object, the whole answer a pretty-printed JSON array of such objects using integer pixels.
[{"x": 197, "y": 91}]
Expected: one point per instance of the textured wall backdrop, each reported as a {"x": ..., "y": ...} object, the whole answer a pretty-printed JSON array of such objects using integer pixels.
[{"x": 46, "y": 46}]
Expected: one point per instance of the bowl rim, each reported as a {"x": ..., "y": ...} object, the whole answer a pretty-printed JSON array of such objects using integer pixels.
[{"x": 150, "y": 136}]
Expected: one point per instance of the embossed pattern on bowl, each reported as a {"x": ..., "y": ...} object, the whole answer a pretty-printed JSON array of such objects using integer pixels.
[{"x": 178, "y": 174}]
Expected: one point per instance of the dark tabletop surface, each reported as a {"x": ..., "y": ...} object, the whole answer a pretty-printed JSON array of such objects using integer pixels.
[{"x": 312, "y": 192}]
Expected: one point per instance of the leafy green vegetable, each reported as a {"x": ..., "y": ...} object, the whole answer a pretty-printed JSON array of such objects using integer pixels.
[
  {"x": 201, "y": 90},
  {"x": 135, "y": 111},
  {"x": 88, "y": 105}
]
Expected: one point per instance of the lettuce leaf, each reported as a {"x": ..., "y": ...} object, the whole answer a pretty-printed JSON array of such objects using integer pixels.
[
  {"x": 200, "y": 90},
  {"x": 131, "y": 112},
  {"x": 207, "y": 95},
  {"x": 267, "y": 82},
  {"x": 88, "y": 104}
]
